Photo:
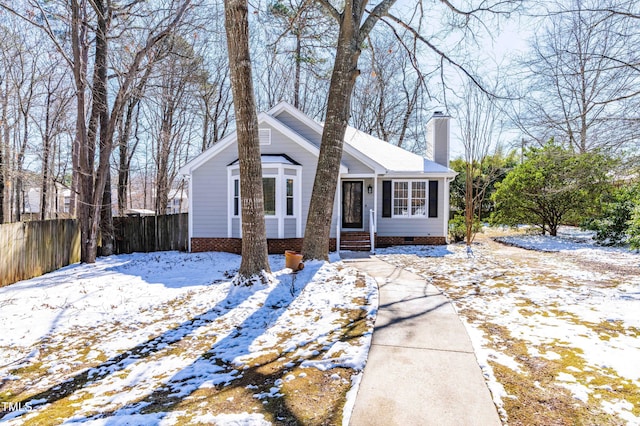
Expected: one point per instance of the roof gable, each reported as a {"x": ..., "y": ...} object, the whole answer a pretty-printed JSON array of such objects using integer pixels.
[
  {"x": 263, "y": 118},
  {"x": 382, "y": 157},
  {"x": 297, "y": 114}
]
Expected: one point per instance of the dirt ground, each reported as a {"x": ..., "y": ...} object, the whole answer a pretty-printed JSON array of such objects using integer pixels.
[{"x": 557, "y": 334}]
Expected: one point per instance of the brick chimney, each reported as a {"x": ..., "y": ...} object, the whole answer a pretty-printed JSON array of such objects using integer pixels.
[{"x": 438, "y": 138}]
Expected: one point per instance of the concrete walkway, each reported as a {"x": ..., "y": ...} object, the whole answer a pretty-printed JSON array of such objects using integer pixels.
[{"x": 421, "y": 368}]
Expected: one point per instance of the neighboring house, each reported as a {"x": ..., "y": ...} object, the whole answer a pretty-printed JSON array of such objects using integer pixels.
[
  {"x": 59, "y": 200},
  {"x": 178, "y": 201},
  {"x": 139, "y": 212},
  {"x": 385, "y": 194}
]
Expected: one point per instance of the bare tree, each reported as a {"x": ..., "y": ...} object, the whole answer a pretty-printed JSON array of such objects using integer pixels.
[
  {"x": 353, "y": 30},
  {"x": 181, "y": 75},
  {"x": 215, "y": 95},
  {"x": 4, "y": 124},
  {"x": 480, "y": 131},
  {"x": 57, "y": 98},
  {"x": 583, "y": 78},
  {"x": 388, "y": 96},
  {"x": 255, "y": 259},
  {"x": 125, "y": 150},
  {"x": 303, "y": 35},
  {"x": 22, "y": 75},
  {"x": 4, "y": 107}
]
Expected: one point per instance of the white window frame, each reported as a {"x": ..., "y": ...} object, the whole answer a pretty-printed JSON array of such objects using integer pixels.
[
  {"x": 281, "y": 195},
  {"x": 409, "y": 214}
]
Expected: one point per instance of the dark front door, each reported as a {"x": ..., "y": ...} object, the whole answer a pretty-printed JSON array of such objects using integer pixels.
[{"x": 352, "y": 204}]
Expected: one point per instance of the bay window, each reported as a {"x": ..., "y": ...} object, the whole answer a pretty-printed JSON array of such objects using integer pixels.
[{"x": 282, "y": 197}]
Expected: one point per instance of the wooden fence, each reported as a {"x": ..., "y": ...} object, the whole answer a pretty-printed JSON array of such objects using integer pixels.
[
  {"x": 30, "y": 249},
  {"x": 151, "y": 233}
]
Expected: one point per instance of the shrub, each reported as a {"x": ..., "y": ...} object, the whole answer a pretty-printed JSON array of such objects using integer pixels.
[
  {"x": 614, "y": 225},
  {"x": 457, "y": 229}
]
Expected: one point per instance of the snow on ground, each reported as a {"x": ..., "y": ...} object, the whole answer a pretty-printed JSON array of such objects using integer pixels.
[
  {"x": 575, "y": 241},
  {"x": 573, "y": 306},
  {"x": 118, "y": 341}
]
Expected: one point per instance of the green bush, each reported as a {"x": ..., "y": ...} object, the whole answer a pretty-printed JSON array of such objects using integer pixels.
[
  {"x": 552, "y": 186},
  {"x": 457, "y": 229},
  {"x": 614, "y": 225}
]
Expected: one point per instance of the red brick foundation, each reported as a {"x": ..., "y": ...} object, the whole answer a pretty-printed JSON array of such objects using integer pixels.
[
  {"x": 408, "y": 241},
  {"x": 234, "y": 245},
  {"x": 230, "y": 245}
]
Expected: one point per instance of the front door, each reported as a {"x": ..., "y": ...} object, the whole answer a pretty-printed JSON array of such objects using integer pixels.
[{"x": 352, "y": 204}]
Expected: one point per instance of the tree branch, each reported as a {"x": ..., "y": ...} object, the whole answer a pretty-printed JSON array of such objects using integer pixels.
[
  {"x": 378, "y": 12},
  {"x": 443, "y": 56},
  {"x": 329, "y": 8},
  {"x": 494, "y": 8},
  {"x": 46, "y": 27}
]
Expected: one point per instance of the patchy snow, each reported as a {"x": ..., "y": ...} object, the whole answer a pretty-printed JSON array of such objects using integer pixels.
[
  {"x": 569, "y": 301},
  {"x": 576, "y": 241},
  {"x": 113, "y": 338}
]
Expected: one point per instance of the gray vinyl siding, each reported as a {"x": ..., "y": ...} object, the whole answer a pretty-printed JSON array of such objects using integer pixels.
[
  {"x": 271, "y": 223},
  {"x": 210, "y": 203},
  {"x": 368, "y": 203},
  {"x": 300, "y": 128},
  {"x": 235, "y": 227},
  {"x": 289, "y": 228},
  {"x": 210, "y": 188},
  {"x": 336, "y": 213},
  {"x": 354, "y": 165},
  {"x": 413, "y": 227}
]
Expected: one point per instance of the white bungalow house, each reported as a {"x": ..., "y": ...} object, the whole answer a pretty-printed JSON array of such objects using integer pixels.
[{"x": 386, "y": 195}]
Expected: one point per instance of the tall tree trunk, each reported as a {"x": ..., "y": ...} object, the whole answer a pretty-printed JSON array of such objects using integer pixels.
[
  {"x": 469, "y": 207},
  {"x": 84, "y": 169},
  {"x": 255, "y": 259},
  {"x": 107, "y": 230},
  {"x": 22, "y": 149},
  {"x": 101, "y": 215},
  {"x": 45, "y": 180},
  {"x": 123, "y": 151},
  {"x": 4, "y": 137},
  {"x": 296, "y": 81},
  {"x": 343, "y": 78},
  {"x": 164, "y": 150},
  {"x": 46, "y": 149},
  {"x": 206, "y": 98},
  {"x": 1, "y": 181},
  {"x": 82, "y": 179}
]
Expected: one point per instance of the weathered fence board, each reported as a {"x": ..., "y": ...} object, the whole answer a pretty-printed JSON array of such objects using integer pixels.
[{"x": 30, "y": 249}]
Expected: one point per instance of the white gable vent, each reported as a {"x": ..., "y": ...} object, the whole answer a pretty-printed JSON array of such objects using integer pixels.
[{"x": 265, "y": 136}]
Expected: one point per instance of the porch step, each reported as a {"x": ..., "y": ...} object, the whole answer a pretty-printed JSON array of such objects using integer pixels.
[{"x": 355, "y": 241}]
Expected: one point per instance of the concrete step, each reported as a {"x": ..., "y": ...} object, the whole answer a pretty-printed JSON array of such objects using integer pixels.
[{"x": 355, "y": 241}]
